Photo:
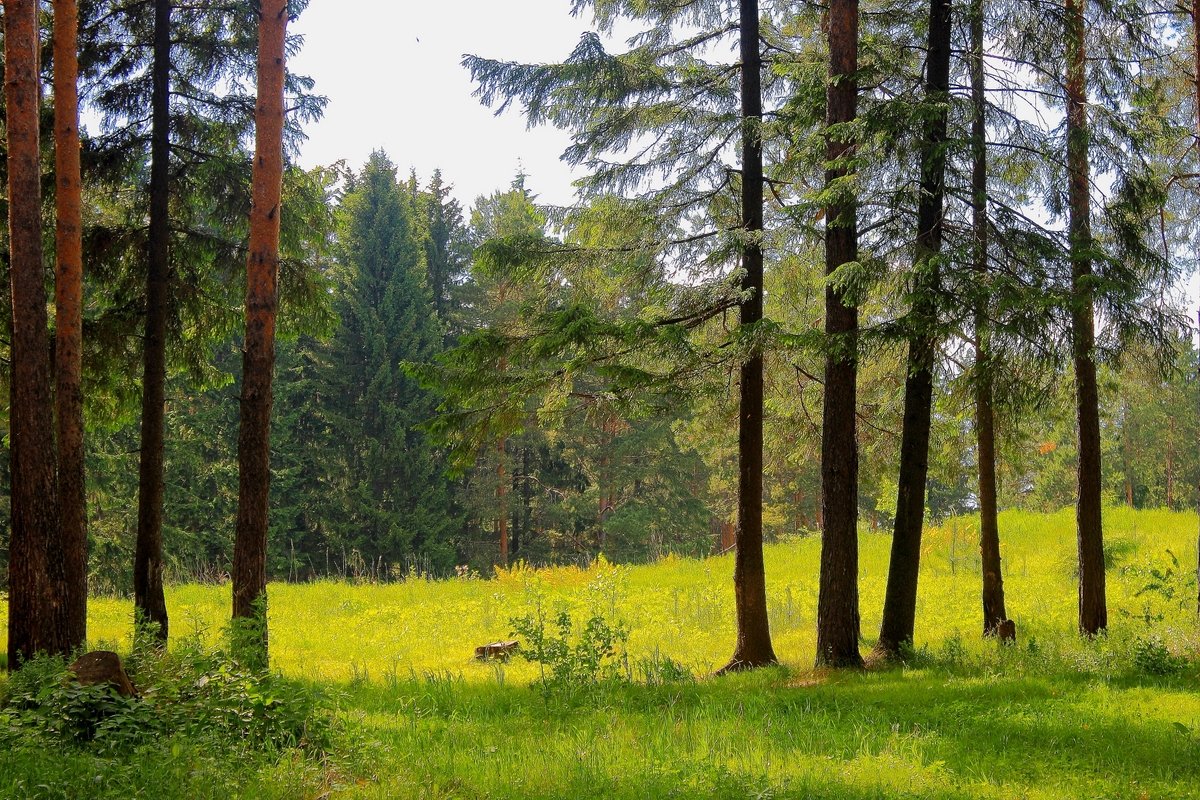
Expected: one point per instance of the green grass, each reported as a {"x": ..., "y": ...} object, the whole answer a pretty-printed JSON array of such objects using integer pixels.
[{"x": 1054, "y": 717}]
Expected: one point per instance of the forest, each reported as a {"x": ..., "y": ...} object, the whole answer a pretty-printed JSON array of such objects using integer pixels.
[{"x": 841, "y": 439}]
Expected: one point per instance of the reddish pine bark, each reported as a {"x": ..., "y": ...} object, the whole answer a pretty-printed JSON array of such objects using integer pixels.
[
  {"x": 149, "y": 602},
  {"x": 36, "y": 611},
  {"x": 900, "y": 600},
  {"x": 262, "y": 272},
  {"x": 1093, "y": 612},
  {"x": 838, "y": 623},
  {"x": 68, "y": 304},
  {"x": 753, "y": 645}
]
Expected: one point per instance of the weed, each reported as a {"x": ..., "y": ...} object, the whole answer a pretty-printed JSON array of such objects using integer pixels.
[{"x": 1151, "y": 657}]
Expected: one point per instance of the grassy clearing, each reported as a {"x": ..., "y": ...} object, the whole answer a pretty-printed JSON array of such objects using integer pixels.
[{"x": 1055, "y": 717}]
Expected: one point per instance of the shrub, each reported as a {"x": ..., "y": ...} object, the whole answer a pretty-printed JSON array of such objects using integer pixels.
[{"x": 1151, "y": 657}]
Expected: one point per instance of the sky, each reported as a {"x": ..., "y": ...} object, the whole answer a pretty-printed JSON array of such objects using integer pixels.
[{"x": 391, "y": 71}]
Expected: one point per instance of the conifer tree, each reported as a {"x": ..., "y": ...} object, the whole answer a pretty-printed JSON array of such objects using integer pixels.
[
  {"x": 258, "y": 361},
  {"x": 838, "y": 624},
  {"x": 994, "y": 611},
  {"x": 1093, "y": 611},
  {"x": 37, "y": 621},
  {"x": 391, "y": 495},
  {"x": 68, "y": 327},
  {"x": 900, "y": 601}
]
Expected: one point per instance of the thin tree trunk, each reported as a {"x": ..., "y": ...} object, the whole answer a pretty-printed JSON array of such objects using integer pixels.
[
  {"x": 753, "y": 646},
  {"x": 1170, "y": 463},
  {"x": 1093, "y": 612},
  {"x": 68, "y": 304},
  {"x": 150, "y": 607},
  {"x": 838, "y": 624},
  {"x": 900, "y": 600},
  {"x": 36, "y": 612},
  {"x": 258, "y": 361},
  {"x": 994, "y": 612},
  {"x": 502, "y": 502}
]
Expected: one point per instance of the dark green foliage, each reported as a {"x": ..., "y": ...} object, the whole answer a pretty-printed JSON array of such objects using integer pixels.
[
  {"x": 194, "y": 695},
  {"x": 387, "y": 494}
]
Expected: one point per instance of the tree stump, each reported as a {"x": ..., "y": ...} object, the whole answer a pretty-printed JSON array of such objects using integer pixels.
[
  {"x": 102, "y": 666},
  {"x": 496, "y": 650}
]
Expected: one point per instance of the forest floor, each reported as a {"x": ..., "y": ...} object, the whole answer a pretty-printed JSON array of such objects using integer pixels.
[{"x": 408, "y": 713}]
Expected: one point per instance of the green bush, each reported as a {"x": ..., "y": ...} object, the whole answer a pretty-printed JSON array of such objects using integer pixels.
[
  {"x": 1151, "y": 657},
  {"x": 191, "y": 693}
]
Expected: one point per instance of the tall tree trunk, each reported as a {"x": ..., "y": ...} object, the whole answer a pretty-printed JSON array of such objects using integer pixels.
[
  {"x": 994, "y": 612},
  {"x": 36, "y": 612},
  {"x": 837, "y": 604},
  {"x": 258, "y": 358},
  {"x": 68, "y": 304},
  {"x": 1093, "y": 612},
  {"x": 1196, "y": 58},
  {"x": 150, "y": 606},
  {"x": 753, "y": 646},
  {"x": 900, "y": 600}
]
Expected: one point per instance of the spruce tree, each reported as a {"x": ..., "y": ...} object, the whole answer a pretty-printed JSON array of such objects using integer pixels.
[{"x": 389, "y": 491}]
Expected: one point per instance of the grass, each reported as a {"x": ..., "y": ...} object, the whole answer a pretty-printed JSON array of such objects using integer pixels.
[{"x": 1054, "y": 717}]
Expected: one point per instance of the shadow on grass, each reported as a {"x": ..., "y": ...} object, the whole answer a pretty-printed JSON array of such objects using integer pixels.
[{"x": 888, "y": 734}]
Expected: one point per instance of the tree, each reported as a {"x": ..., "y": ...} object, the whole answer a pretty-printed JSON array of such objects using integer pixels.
[
  {"x": 37, "y": 620},
  {"x": 388, "y": 487},
  {"x": 678, "y": 191},
  {"x": 837, "y": 606},
  {"x": 190, "y": 64},
  {"x": 900, "y": 601},
  {"x": 150, "y": 605},
  {"x": 985, "y": 429},
  {"x": 258, "y": 362},
  {"x": 1093, "y": 612},
  {"x": 753, "y": 646},
  {"x": 68, "y": 327}
]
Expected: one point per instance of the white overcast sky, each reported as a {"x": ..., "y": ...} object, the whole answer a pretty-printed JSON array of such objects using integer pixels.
[{"x": 390, "y": 69}]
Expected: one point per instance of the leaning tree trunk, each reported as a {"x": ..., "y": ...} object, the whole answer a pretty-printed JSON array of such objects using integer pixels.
[
  {"x": 900, "y": 600},
  {"x": 753, "y": 646},
  {"x": 837, "y": 605},
  {"x": 1093, "y": 613},
  {"x": 37, "y": 620},
  {"x": 68, "y": 329},
  {"x": 258, "y": 360},
  {"x": 994, "y": 612},
  {"x": 150, "y": 606}
]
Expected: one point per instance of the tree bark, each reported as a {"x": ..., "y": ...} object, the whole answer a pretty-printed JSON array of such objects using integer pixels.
[
  {"x": 68, "y": 330},
  {"x": 900, "y": 600},
  {"x": 1093, "y": 612},
  {"x": 258, "y": 357},
  {"x": 753, "y": 646},
  {"x": 36, "y": 611},
  {"x": 502, "y": 502},
  {"x": 838, "y": 623},
  {"x": 994, "y": 612},
  {"x": 150, "y": 607}
]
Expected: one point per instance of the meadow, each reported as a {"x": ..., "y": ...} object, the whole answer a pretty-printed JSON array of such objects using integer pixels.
[{"x": 413, "y": 715}]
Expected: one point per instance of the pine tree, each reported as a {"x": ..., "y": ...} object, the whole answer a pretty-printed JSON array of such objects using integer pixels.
[
  {"x": 68, "y": 327},
  {"x": 37, "y": 613},
  {"x": 258, "y": 362}
]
